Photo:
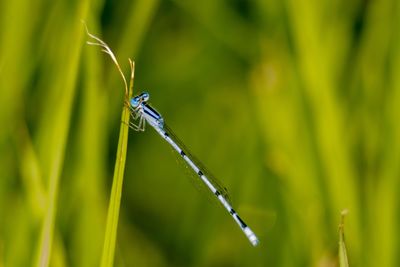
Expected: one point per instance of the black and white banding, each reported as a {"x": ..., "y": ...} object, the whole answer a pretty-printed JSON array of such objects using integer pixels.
[
  {"x": 242, "y": 224},
  {"x": 155, "y": 119}
]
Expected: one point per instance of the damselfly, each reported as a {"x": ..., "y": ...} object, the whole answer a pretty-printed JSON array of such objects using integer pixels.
[{"x": 143, "y": 113}]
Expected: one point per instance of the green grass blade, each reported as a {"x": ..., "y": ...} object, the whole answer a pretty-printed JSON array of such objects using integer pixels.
[
  {"x": 343, "y": 262},
  {"x": 57, "y": 129},
  {"x": 115, "y": 199},
  {"x": 89, "y": 171},
  {"x": 31, "y": 172}
]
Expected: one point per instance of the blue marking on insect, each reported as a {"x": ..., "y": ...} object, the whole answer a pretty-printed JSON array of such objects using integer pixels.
[
  {"x": 140, "y": 106},
  {"x": 139, "y": 99}
]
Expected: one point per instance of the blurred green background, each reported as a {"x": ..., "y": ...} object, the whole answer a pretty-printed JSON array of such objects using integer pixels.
[{"x": 294, "y": 106}]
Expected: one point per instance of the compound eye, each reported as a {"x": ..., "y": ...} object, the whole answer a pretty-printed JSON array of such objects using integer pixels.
[
  {"x": 135, "y": 101},
  {"x": 145, "y": 96}
]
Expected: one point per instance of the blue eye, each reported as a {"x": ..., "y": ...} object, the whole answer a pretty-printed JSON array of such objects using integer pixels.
[
  {"x": 145, "y": 96},
  {"x": 135, "y": 102}
]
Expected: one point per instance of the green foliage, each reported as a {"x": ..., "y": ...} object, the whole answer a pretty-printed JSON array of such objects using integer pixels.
[
  {"x": 293, "y": 105},
  {"x": 116, "y": 192}
]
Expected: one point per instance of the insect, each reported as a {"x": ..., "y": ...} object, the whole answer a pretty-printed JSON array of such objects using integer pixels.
[{"x": 143, "y": 113}]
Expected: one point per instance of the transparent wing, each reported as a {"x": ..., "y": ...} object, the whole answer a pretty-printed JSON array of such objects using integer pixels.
[{"x": 198, "y": 182}]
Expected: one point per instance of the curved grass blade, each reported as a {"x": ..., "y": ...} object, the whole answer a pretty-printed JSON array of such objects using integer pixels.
[
  {"x": 110, "y": 238},
  {"x": 116, "y": 190}
]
